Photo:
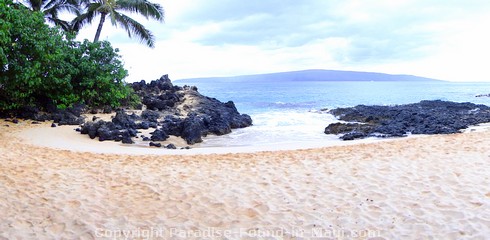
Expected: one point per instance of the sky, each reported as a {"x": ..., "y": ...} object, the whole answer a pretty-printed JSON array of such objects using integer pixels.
[{"x": 442, "y": 39}]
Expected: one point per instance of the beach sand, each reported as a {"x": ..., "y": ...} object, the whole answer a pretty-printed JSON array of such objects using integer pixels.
[{"x": 429, "y": 187}]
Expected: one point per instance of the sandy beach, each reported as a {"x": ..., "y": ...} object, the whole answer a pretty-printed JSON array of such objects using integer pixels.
[{"x": 428, "y": 187}]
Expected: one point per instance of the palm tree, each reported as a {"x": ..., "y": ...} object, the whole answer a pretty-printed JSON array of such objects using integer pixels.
[
  {"x": 114, "y": 9},
  {"x": 52, "y": 8}
]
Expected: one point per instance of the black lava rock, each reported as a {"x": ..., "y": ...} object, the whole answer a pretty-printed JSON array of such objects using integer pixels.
[
  {"x": 159, "y": 135},
  {"x": 171, "y": 146},
  {"x": 185, "y": 113},
  {"x": 425, "y": 117},
  {"x": 152, "y": 144},
  {"x": 194, "y": 128},
  {"x": 150, "y": 115}
]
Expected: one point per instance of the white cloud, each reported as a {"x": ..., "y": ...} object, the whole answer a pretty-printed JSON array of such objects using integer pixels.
[{"x": 201, "y": 38}]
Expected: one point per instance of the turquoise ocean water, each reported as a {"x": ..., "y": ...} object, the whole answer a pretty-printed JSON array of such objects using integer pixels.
[{"x": 289, "y": 112}]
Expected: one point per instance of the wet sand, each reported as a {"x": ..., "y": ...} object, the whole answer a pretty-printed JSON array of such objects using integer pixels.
[{"x": 413, "y": 188}]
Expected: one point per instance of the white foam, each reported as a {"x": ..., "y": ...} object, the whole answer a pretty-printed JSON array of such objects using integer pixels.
[{"x": 276, "y": 128}]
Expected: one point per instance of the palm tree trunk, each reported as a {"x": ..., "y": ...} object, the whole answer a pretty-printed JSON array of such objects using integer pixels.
[{"x": 99, "y": 28}]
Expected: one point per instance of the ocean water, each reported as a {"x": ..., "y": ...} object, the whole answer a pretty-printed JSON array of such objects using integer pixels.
[{"x": 290, "y": 112}]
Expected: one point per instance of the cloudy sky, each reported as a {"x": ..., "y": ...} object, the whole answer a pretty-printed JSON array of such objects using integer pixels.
[{"x": 444, "y": 39}]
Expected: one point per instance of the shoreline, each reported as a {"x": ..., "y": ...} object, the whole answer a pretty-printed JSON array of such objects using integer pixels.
[
  {"x": 66, "y": 138},
  {"x": 418, "y": 187}
]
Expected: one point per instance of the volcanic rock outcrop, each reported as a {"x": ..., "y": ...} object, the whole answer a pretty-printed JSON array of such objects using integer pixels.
[
  {"x": 425, "y": 117},
  {"x": 170, "y": 110}
]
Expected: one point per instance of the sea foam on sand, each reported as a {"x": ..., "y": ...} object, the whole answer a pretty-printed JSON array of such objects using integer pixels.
[{"x": 430, "y": 187}]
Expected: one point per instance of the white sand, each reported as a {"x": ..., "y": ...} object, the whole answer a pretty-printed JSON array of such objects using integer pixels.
[
  {"x": 66, "y": 138},
  {"x": 431, "y": 187}
]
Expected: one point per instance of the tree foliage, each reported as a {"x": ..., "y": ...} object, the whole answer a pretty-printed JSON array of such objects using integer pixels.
[
  {"x": 114, "y": 10},
  {"x": 52, "y": 8},
  {"x": 41, "y": 66},
  {"x": 100, "y": 74}
]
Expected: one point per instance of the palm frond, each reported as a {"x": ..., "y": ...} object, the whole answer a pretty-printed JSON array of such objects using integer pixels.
[
  {"x": 135, "y": 28},
  {"x": 66, "y": 26},
  {"x": 86, "y": 18},
  {"x": 143, "y": 7},
  {"x": 69, "y": 8},
  {"x": 34, "y": 5},
  {"x": 51, "y": 3}
]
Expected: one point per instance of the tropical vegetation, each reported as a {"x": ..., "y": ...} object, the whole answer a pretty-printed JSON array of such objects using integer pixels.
[
  {"x": 51, "y": 10},
  {"x": 43, "y": 66},
  {"x": 114, "y": 10}
]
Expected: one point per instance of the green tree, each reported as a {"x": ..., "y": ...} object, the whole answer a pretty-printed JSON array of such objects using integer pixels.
[
  {"x": 52, "y": 8},
  {"x": 5, "y": 26},
  {"x": 114, "y": 9},
  {"x": 35, "y": 68},
  {"x": 41, "y": 66},
  {"x": 100, "y": 75}
]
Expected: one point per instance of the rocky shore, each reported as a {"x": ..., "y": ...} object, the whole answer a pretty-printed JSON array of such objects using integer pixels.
[
  {"x": 166, "y": 109},
  {"x": 169, "y": 110},
  {"x": 425, "y": 117}
]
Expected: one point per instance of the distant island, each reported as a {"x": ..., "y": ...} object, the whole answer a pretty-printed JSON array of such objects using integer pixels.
[{"x": 315, "y": 75}]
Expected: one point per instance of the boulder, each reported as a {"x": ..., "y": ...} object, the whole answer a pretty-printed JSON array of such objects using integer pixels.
[
  {"x": 126, "y": 138},
  {"x": 170, "y": 146},
  {"x": 152, "y": 144},
  {"x": 150, "y": 115},
  {"x": 353, "y": 135},
  {"x": 194, "y": 128},
  {"x": 124, "y": 120},
  {"x": 173, "y": 125},
  {"x": 159, "y": 135}
]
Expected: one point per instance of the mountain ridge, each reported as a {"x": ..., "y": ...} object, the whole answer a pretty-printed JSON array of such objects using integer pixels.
[{"x": 317, "y": 75}]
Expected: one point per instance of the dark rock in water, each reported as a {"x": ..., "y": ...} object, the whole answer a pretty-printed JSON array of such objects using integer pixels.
[
  {"x": 171, "y": 146},
  {"x": 15, "y": 121},
  {"x": 159, "y": 135},
  {"x": 78, "y": 129},
  {"x": 338, "y": 128},
  {"x": 146, "y": 139},
  {"x": 425, "y": 117},
  {"x": 353, "y": 135},
  {"x": 152, "y": 144},
  {"x": 53, "y": 124}
]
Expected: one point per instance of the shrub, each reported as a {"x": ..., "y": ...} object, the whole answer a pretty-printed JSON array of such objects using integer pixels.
[{"x": 42, "y": 66}]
